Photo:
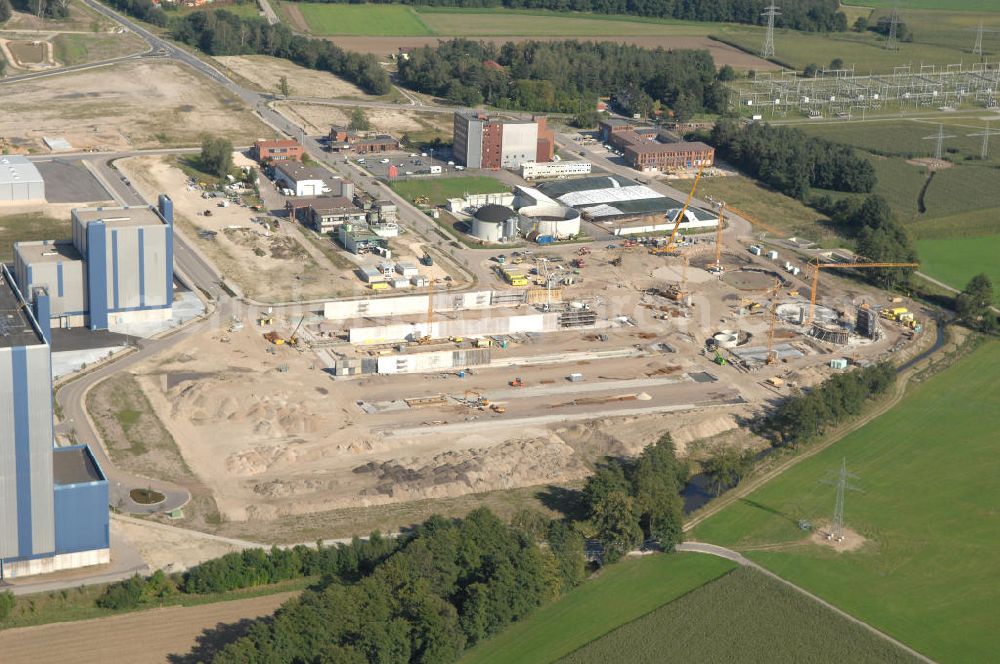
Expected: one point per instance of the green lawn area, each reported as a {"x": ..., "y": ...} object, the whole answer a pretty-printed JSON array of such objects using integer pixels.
[
  {"x": 623, "y": 592},
  {"x": 863, "y": 51},
  {"x": 29, "y": 226},
  {"x": 365, "y": 19},
  {"x": 953, "y": 5},
  {"x": 438, "y": 190},
  {"x": 956, "y": 260},
  {"x": 774, "y": 209},
  {"x": 929, "y": 573},
  {"x": 743, "y": 616},
  {"x": 454, "y": 21},
  {"x": 75, "y": 49}
]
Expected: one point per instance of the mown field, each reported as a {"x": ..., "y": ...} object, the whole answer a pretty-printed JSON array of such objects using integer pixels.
[
  {"x": 956, "y": 260},
  {"x": 953, "y": 5},
  {"x": 623, "y": 592},
  {"x": 438, "y": 190},
  {"x": 929, "y": 573},
  {"x": 338, "y": 19},
  {"x": 742, "y": 617}
]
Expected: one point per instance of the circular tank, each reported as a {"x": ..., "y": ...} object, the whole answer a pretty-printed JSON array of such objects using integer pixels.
[
  {"x": 556, "y": 220},
  {"x": 727, "y": 338},
  {"x": 488, "y": 222}
]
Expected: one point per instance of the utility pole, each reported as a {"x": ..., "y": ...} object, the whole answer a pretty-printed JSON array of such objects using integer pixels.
[
  {"x": 939, "y": 137},
  {"x": 890, "y": 42},
  {"x": 842, "y": 481},
  {"x": 768, "y": 50},
  {"x": 985, "y": 133}
]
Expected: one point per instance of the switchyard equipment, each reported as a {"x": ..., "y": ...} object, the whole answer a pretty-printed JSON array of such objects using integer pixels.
[{"x": 841, "y": 92}]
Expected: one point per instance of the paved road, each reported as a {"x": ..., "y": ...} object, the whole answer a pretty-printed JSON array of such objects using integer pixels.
[{"x": 739, "y": 559}]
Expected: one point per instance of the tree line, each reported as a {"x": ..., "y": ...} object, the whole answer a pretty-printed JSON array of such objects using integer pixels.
[
  {"x": 810, "y": 15},
  {"x": 803, "y": 417},
  {"x": 791, "y": 161},
  {"x": 41, "y": 8},
  {"x": 220, "y": 32},
  {"x": 6, "y": 11},
  {"x": 566, "y": 76},
  {"x": 253, "y": 567},
  {"x": 144, "y": 10}
]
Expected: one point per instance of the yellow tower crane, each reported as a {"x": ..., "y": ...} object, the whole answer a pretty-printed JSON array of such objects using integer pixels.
[
  {"x": 671, "y": 246},
  {"x": 829, "y": 266}
]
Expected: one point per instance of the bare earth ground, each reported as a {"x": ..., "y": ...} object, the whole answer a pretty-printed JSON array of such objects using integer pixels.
[
  {"x": 723, "y": 54},
  {"x": 284, "y": 271},
  {"x": 141, "y": 104},
  {"x": 265, "y": 72},
  {"x": 170, "y": 549},
  {"x": 852, "y": 541},
  {"x": 317, "y": 118},
  {"x": 155, "y": 634}
]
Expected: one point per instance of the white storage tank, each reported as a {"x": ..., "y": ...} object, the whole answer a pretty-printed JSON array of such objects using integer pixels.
[
  {"x": 488, "y": 222},
  {"x": 558, "y": 221}
]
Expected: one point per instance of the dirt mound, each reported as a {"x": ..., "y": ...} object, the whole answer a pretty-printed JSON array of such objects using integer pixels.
[
  {"x": 456, "y": 472},
  {"x": 848, "y": 541}
]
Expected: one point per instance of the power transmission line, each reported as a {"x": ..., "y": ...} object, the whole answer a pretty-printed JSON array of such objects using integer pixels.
[
  {"x": 891, "y": 42},
  {"x": 841, "y": 480},
  {"x": 985, "y": 133},
  {"x": 768, "y": 50},
  {"x": 939, "y": 137}
]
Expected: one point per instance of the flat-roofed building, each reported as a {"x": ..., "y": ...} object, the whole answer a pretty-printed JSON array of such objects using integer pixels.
[
  {"x": 117, "y": 270},
  {"x": 53, "y": 502},
  {"x": 303, "y": 180},
  {"x": 277, "y": 150},
  {"x": 649, "y": 155},
  {"x": 20, "y": 181},
  {"x": 480, "y": 141}
]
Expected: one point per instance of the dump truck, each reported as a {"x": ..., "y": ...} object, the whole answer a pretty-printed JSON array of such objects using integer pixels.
[{"x": 274, "y": 338}]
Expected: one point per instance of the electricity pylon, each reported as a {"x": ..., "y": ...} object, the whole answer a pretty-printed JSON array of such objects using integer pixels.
[{"x": 768, "y": 50}]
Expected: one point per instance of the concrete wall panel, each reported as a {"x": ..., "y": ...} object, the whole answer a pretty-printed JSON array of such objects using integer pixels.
[{"x": 8, "y": 476}]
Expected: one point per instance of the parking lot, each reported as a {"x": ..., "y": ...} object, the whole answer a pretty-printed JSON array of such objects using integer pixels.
[
  {"x": 70, "y": 182},
  {"x": 406, "y": 163}
]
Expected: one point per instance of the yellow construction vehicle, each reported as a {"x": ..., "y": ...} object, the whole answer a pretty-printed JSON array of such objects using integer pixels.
[
  {"x": 895, "y": 313},
  {"x": 498, "y": 409},
  {"x": 826, "y": 266},
  {"x": 274, "y": 338}
]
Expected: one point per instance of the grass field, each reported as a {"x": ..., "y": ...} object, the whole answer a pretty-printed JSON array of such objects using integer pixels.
[
  {"x": 951, "y": 5},
  {"x": 622, "y": 593},
  {"x": 772, "y": 208},
  {"x": 744, "y": 616},
  {"x": 376, "y": 20},
  {"x": 438, "y": 190},
  {"x": 75, "y": 49},
  {"x": 26, "y": 227},
  {"x": 929, "y": 573},
  {"x": 956, "y": 260}
]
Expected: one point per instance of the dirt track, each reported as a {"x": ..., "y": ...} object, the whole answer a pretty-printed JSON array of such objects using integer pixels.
[
  {"x": 136, "y": 638},
  {"x": 721, "y": 53}
]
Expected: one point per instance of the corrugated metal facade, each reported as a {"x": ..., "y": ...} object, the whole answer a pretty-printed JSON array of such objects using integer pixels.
[
  {"x": 81, "y": 517},
  {"x": 26, "y": 497}
]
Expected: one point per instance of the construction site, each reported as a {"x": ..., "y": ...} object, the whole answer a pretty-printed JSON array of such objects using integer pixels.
[{"x": 593, "y": 349}]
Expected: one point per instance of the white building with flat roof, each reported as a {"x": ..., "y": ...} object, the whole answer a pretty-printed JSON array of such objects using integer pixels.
[{"x": 20, "y": 181}]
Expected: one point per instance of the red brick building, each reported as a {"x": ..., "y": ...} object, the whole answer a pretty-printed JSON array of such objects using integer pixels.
[{"x": 277, "y": 150}]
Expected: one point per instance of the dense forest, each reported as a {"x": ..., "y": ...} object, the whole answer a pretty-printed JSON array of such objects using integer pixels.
[
  {"x": 789, "y": 160},
  {"x": 223, "y": 33},
  {"x": 565, "y": 76},
  {"x": 811, "y": 15},
  {"x": 447, "y": 586},
  {"x": 144, "y": 10},
  {"x": 5, "y": 12}
]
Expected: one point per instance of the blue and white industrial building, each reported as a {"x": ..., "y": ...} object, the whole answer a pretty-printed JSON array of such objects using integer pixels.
[
  {"x": 116, "y": 271},
  {"x": 53, "y": 501}
]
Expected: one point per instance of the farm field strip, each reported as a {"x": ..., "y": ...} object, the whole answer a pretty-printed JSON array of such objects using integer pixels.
[
  {"x": 928, "y": 571},
  {"x": 623, "y": 592},
  {"x": 743, "y": 612},
  {"x": 956, "y": 260}
]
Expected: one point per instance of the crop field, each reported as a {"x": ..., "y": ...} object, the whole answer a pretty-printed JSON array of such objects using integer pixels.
[
  {"x": 622, "y": 593},
  {"x": 438, "y": 190},
  {"x": 928, "y": 572},
  {"x": 956, "y": 260},
  {"x": 338, "y": 19},
  {"x": 743, "y": 616}
]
